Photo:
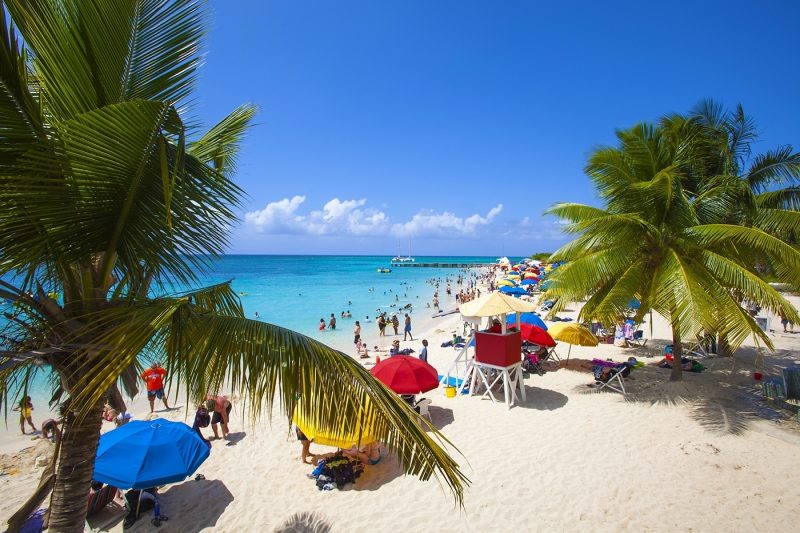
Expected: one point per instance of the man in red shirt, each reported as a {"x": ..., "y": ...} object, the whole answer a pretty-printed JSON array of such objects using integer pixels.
[{"x": 154, "y": 378}]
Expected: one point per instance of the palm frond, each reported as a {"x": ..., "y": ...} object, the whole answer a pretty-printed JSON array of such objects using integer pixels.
[
  {"x": 775, "y": 167},
  {"x": 220, "y": 145},
  {"x": 263, "y": 363}
]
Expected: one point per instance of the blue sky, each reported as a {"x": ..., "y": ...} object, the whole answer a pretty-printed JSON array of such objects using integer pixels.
[{"x": 453, "y": 125}]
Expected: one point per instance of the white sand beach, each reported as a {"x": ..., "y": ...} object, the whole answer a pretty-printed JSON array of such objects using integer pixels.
[{"x": 705, "y": 454}]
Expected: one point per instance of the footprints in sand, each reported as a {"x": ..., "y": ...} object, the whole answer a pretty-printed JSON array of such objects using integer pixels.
[{"x": 705, "y": 447}]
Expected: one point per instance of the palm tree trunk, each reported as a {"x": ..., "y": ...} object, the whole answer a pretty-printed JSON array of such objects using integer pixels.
[
  {"x": 74, "y": 471},
  {"x": 677, "y": 352}
]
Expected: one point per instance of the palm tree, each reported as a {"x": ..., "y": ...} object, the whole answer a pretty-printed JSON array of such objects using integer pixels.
[
  {"x": 110, "y": 197},
  {"x": 761, "y": 189},
  {"x": 649, "y": 241}
]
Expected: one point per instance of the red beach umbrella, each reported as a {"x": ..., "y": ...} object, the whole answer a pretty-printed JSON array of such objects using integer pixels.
[
  {"x": 406, "y": 375},
  {"x": 536, "y": 335}
]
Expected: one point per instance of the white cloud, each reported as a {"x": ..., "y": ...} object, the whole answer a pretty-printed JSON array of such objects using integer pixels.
[
  {"x": 354, "y": 217},
  {"x": 430, "y": 223},
  {"x": 277, "y": 217}
]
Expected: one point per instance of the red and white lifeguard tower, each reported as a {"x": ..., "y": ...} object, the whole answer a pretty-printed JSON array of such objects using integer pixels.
[{"x": 497, "y": 354}]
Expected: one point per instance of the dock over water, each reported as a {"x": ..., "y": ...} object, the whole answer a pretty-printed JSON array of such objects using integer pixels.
[{"x": 441, "y": 265}]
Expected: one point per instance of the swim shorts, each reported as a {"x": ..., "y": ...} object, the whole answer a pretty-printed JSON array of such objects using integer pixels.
[
  {"x": 217, "y": 418},
  {"x": 158, "y": 393}
]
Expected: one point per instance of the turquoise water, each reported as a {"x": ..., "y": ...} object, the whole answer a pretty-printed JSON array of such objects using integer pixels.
[{"x": 295, "y": 291}]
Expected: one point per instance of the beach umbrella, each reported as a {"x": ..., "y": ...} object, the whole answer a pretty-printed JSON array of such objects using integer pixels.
[
  {"x": 572, "y": 334},
  {"x": 533, "y": 275},
  {"x": 356, "y": 434},
  {"x": 513, "y": 277},
  {"x": 513, "y": 290},
  {"x": 143, "y": 454},
  {"x": 536, "y": 335},
  {"x": 529, "y": 281},
  {"x": 506, "y": 283},
  {"x": 406, "y": 375},
  {"x": 495, "y": 304},
  {"x": 528, "y": 318},
  {"x": 634, "y": 304}
]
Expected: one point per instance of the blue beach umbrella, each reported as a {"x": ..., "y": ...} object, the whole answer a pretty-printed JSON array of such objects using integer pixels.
[
  {"x": 143, "y": 454},
  {"x": 527, "y": 318},
  {"x": 528, "y": 281},
  {"x": 634, "y": 304},
  {"x": 514, "y": 291}
]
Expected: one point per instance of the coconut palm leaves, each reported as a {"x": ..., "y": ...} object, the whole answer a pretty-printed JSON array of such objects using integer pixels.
[
  {"x": 109, "y": 198},
  {"x": 650, "y": 242}
]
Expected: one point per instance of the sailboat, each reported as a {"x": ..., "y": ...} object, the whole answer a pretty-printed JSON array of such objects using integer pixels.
[{"x": 400, "y": 259}]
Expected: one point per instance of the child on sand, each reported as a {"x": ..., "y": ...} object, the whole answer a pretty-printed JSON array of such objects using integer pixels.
[{"x": 25, "y": 409}]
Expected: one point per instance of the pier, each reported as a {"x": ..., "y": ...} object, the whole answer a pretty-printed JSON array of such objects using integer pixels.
[{"x": 441, "y": 265}]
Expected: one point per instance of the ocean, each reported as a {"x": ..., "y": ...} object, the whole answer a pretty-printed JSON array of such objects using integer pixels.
[{"x": 296, "y": 291}]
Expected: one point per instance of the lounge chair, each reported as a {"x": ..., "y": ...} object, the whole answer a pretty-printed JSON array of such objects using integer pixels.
[{"x": 612, "y": 375}]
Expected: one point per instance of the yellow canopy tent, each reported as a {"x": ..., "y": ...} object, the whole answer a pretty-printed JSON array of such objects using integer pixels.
[{"x": 344, "y": 437}]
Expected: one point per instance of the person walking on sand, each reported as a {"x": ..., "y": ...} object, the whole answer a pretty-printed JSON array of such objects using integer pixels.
[
  {"x": 221, "y": 408},
  {"x": 382, "y": 326},
  {"x": 154, "y": 378},
  {"x": 395, "y": 323},
  {"x": 356, "y": 332},
  {"x": 25, "y": 409},
  {"x": 407, "y": 329},
  {"x": 423, "y": 353}
]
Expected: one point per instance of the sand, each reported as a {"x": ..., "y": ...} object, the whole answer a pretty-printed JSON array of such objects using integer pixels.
[{"x": 705, "y": 454}]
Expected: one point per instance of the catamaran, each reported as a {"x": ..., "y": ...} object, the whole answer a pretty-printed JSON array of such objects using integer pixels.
[{"x": 400, "y": 259}]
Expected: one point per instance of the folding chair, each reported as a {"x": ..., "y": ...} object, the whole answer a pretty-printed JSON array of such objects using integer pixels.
[
  {"x": 638, "y": 338},
  {"x": 422, "y": 408},
  {"x": 615, "y": 376}
]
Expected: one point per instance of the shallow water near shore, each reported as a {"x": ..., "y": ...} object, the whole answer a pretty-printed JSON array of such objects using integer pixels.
[{"x": 296, "y": 291}]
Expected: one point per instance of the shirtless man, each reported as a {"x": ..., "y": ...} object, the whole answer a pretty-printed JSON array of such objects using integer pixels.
[{"x": 221, "y": 407}]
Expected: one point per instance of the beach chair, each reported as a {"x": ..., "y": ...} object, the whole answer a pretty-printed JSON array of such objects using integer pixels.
[
  {"x": 614, "y": 378},
  {"x": 638, "y": 338},
  {"x": 421, "y": 407},
  {"x": 103, "y": 510}
]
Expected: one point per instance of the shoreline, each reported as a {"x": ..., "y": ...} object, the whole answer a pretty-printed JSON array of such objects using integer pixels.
[{"x": 604, "y": 461}]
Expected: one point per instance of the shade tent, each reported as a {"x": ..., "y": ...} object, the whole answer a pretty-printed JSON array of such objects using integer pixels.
[
  {"x": 344, "y": 437},
  {"x": 143, "y": 454}
]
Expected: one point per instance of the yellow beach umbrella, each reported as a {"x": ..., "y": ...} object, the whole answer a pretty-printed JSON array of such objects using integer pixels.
[
  {"x": 513, "y": 276},
  {"x": 506, "y": 283},
  {"x": 345, "y": 437},
  {"x": 572, "y": 334}
]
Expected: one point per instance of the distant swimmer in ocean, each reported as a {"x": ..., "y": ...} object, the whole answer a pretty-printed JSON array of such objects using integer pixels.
[
  {"x": 322, "y": 324},
  {"x": 349, "y": 302},
  {"x": 256, "y": 313},
  {"x": 367, "y": 319}
]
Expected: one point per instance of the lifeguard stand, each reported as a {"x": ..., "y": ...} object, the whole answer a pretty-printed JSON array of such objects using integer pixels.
[
  {"x": 497, "y": 354},
  {"x": 498, "y": 358}
]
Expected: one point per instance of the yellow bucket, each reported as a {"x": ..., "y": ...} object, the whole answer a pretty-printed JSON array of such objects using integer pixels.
[{"x": 450, "y": 391}]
